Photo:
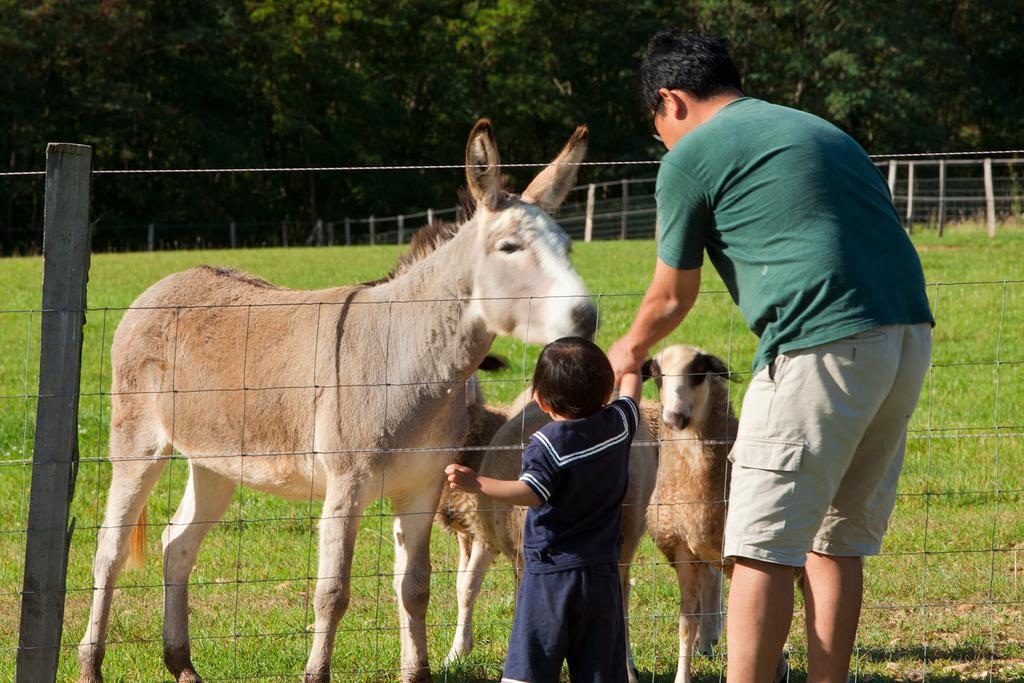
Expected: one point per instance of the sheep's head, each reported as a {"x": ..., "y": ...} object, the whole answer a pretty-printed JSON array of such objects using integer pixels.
[{"x": 685, "y": 376}]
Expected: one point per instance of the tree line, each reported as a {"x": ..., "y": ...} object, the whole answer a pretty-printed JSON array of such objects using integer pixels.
[{"x": 253, "y": 83}]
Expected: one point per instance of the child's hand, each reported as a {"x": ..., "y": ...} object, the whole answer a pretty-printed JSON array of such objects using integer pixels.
[{"x": 462, "y": 478}]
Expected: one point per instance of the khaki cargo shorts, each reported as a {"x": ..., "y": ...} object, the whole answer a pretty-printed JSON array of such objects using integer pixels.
[{"x": 820, "y": 446}]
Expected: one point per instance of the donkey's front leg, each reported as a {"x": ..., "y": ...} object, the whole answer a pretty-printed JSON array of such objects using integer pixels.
[
  {"x": 344, "y": 503},
  {"x": 414, "y": 514}
]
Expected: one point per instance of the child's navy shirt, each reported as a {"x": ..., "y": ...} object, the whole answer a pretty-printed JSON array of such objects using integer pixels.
[{"x": 579, "y": 469}]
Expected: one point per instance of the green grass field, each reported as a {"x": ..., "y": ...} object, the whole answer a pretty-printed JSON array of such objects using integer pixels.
[{"x": 945, "y": 602}]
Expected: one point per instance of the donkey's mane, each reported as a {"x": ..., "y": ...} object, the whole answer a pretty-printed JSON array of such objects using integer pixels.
[
  {"x": 433, "y": 236},
  {"x": 424, "y": 242},
  {"x": 239, "y": 275}
]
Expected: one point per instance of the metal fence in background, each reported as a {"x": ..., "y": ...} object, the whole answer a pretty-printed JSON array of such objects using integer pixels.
[{"x": 930, "y": 192}]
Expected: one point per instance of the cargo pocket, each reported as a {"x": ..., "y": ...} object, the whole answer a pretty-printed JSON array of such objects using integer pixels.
[{"x": 764, "y": 476}]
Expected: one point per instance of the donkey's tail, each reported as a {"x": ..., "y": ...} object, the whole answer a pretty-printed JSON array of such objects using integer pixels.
[{"x": 137, "y": 546}]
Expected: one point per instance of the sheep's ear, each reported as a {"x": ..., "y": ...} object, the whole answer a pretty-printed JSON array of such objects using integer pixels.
[
  {"x": 651, "y": 370},
  {"x": 492, "y": 363},
  {"x": 549, "y": 189},
  {"x": 706, "y": 364},
  {"x": 483, "y": 167}
]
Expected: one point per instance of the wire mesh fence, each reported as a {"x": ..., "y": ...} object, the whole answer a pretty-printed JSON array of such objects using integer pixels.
[
  {"x": 947, "y": 588},
  {"x": 944, "y": 600}
]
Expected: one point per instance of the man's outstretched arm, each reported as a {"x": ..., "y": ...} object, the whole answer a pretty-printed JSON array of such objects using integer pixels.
[{"x": 669, "y": 298}]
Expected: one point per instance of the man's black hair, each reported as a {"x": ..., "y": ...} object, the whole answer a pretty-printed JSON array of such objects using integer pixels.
[
  {"x": 573, "y": 377},
  {"x": 696, "y": 63}
]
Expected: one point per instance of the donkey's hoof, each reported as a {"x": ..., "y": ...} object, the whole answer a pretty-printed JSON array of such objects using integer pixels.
[
  {"x": 421, "y": 675},
  {"x": 189, "y": 675}
]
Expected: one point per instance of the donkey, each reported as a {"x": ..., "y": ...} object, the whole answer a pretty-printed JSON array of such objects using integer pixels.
[{"x": 346, "y": 394}]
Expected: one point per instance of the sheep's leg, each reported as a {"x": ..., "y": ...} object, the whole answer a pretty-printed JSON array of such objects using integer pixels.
[
  {"x": 134, "y": 472},
  {"x": 689, "y": 572},
  {"x": 465, "y": 552},
  {"x": 207, "y": 496},
  {"x": 344, "y": 503},
  {"x": 470, "y": 580},
  {"x": 414, "y": 516},
  {"x": 710, "y": 630}
]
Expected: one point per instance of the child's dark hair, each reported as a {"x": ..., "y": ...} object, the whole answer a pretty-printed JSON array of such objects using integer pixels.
[
  {"x": 696, "y": 63},
  {"x": 573, "y": 377}
]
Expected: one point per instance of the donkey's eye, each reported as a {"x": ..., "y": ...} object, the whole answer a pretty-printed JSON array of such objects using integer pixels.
[{"x": 509, "y": 247}]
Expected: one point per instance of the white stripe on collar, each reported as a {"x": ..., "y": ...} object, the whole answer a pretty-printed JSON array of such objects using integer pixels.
[{"x": 562, "y": 460}]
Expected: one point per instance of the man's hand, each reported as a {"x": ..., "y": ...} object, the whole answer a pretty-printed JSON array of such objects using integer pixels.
[
  {"x": 625, "y": 358},
  {"x": 462, "y": 478}
]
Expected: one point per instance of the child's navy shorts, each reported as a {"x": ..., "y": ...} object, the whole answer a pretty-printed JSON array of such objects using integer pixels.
[{"x": 575, "y": 616}]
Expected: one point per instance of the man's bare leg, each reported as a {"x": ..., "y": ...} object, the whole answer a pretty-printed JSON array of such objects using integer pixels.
[
  {"x": 833, "y": 589},
  {"x": 760, "y": 613}
]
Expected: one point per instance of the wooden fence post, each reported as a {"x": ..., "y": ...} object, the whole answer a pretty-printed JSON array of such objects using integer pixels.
[
  {"x": 430, "y": 216},
  {"x": 892, "y": 179},
  {"x": 373, "y": 230},
  {"x": 624, "y": 209},
  {"x": 942, "y": 196},
  {"x": 284, "y": 233},
  {"x": 318, "y": 232},
  {"x": 66, "y": 244},
  {"x": 588, "y": 226},
  {"x": 401, "y": 229},
  {"x": 348, "y": 232},
  {"x": 330, "y": 233},
  {"x": 990, "y": 199},
  {"x": 232, "y": 235},
  {"x": 910, "y": 195},
  {"x": 150, "y": 237}
]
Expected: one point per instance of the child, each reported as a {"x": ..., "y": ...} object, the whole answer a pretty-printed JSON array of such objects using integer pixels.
[{"x": 574, "y": 477}]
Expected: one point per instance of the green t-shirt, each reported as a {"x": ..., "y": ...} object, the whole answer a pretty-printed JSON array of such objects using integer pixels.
[{"x": 797, "y": 221}]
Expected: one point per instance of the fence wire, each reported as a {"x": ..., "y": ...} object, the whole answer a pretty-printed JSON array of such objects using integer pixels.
[
  {"x": 952, "y": 557},
  {"x": 930, "y": 191},
  {"x": 944, "y": 598}
]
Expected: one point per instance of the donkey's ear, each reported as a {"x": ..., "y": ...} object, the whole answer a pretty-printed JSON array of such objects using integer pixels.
[
  {"x": 483, "y": 170},
  {"x": 549, "y": 189}
]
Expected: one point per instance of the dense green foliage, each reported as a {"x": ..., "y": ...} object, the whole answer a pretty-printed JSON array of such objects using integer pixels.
[{"x": 304, "y": 82}]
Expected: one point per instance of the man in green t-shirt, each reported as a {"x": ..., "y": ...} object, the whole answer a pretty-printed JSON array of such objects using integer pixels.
[{"x": 801, "y": 227}]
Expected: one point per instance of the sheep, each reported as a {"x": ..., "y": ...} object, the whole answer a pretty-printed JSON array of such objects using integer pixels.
[
  {"x": 686, "y": 515},
  {"x": 457, "y": 511}
]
